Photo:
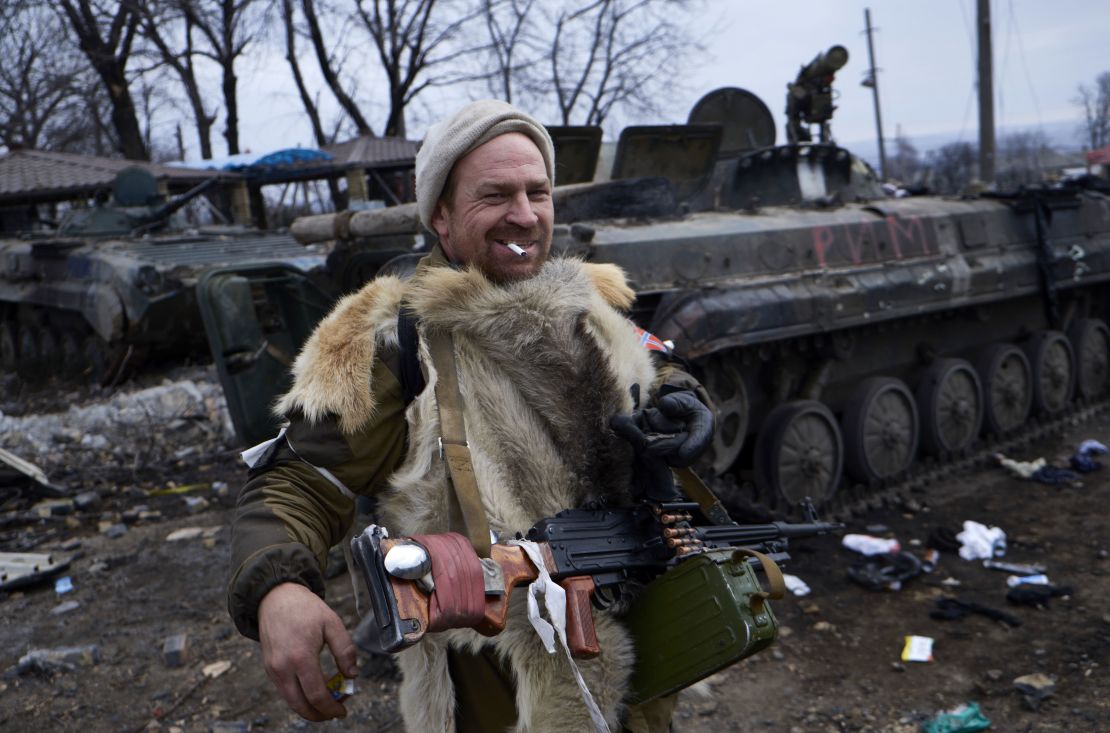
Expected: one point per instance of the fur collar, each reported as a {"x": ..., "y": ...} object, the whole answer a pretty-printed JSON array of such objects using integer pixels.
[{"x": 332, "y": 373}]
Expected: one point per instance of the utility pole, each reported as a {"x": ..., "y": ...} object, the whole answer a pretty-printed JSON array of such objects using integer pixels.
[
  {"x": 986, "y": 94},
  {"x": 873, "y": 82}
]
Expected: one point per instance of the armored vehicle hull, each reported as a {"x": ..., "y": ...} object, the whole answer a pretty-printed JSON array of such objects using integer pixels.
[
  {"x": 90, "y": 308},
  {"x": 849, "y": 338}
]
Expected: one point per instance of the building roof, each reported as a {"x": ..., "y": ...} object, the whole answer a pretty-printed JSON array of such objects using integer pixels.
[
  {"x": 374, "y": 152},
  {"x": 41, "y": 176}
]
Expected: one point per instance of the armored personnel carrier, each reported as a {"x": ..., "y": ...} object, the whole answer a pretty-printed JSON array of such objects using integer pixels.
[
  {"x": 852, "y": 341},
  {"x": 115, "y": 282}
]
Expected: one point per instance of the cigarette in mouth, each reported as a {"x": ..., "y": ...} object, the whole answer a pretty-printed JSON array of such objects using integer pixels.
[{"x": 516, "y": 249}]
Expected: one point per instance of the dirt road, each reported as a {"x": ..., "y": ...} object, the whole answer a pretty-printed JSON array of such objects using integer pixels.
[{"x": 836, "y": 666}]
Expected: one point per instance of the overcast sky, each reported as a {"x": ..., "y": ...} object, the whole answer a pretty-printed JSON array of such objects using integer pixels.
[{"x": 925, "y": 51}]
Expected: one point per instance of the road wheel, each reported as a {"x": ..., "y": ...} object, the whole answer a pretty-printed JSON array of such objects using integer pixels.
[
  {"x": 1053, "y": 367},
  {"x": 799, "y": 454},
  {"x": 880, "y": 430},
  {"x": 1007, "y": 381},
  {"x": 29, "y": 364},
  {"x": 950, "y": 403},
  {"x": 9, "y": 351},
  {"x": 96, "y": 359},
  {"x": 49, "y": 353},
  {"x": 725, "y": 384},
  {"x": 1090, "y": 342},
  {"x": 71, "y": 355}
]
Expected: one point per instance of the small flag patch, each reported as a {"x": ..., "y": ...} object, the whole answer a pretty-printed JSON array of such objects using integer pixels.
[{"x": 651, "y": 342}]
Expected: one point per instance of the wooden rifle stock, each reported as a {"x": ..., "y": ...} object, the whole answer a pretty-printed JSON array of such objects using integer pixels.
[{"x": 413, "y": 604}]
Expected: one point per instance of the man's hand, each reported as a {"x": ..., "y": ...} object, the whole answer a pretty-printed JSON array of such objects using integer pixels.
[{"x": 293, "y": 625}]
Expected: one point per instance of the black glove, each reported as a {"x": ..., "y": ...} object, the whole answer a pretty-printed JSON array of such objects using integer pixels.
[{"x": 676, "y": 429}]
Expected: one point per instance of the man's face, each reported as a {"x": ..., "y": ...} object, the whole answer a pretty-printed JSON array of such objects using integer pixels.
[{"x": 500, "y": 196}]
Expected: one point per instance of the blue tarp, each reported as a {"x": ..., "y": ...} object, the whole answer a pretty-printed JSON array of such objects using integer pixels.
[{"x": 247, "y": 162}]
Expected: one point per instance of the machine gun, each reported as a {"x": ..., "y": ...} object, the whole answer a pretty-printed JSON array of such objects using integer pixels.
[
  {"x": 436, "y": 582},
  {"x": 809, "y": 98}
]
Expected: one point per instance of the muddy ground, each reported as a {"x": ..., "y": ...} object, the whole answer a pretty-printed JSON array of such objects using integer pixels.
[{"x": 836, "y": 666}]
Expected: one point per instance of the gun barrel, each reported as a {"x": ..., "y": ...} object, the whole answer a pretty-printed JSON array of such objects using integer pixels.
[{"x": 753, "y": 534}]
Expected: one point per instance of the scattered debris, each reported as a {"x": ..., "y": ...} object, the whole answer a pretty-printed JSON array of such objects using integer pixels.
[
  {"x": 14, "y": 471},
  {"x": 869, "y": 545},
  {"x": 1021, "y": 469},
  {"x": 1015, "y": 568},
  {"x": 19, "y": 569},
  {"x": 953, "y": 609},
  {"x": 113, "y": 530},
  {"x": 192, "y": 533},
  {"x": 175, "y": 650},
  {"x": 87, "y": 501},
  {"x": 795, "y": 585},
  {"x": 1034, "y": 688},
  {"x": 966, "y": 718},
  {"x": 1084, "y": 459},
  {"x": 1036, "y": 595},
  {"x": 980, "y": 542},
  {"x": 1015, "y": 580},
  {"x": 63, "y": 585},
  {"x": 66, "y": 607},
  {"x": 171, "y": 490},
  {"x": 48, "y": 661},
  {"x": 918, "y": 649},
  {"x": 885, "y": 572},
  {"x": 943, "y": 539},
  {"x": 215, "y": 669}
]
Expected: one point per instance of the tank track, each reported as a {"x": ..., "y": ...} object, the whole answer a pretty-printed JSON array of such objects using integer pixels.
[{"x": 851, "y": 501}]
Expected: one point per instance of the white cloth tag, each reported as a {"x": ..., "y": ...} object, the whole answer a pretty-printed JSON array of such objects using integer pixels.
[
  {"x": 555, "y": 600},
  {"x": 252, "y": 455}
]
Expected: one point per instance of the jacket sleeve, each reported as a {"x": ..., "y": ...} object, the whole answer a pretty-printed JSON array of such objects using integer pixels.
[{"x": 300, "y": 500}]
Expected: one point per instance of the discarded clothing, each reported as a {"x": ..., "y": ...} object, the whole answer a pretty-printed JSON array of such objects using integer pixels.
[
  {"x": 943, "y": 539},
  {"x": 1036, "y": 595},
  {"x": 980, "y": 542},
  {"x": 964, "y": 719},
  {"x": 795, "y": 585},
  {"x": 1054, "y": 476},
  {"x": 1092, "y": 448},
  {"x": 885, "y": 572},
  {"x": 867, "y": 545},
  {"x": 954, "y": 609},
  {"x": 1083, "y": 461},
  {"x": 1021, "y": 469}
]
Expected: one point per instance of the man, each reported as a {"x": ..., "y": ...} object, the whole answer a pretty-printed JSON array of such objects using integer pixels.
[{"x": 544, "y": 361}]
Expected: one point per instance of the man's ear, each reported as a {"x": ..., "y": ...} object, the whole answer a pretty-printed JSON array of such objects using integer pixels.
[{"x": 439, "y": 225}]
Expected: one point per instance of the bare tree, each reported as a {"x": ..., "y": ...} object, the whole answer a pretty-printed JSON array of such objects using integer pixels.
[
  {"x": 288, "y": 17},
  {"x": 1096, "y": 111},
  {"x": 171, "y": 35},
  {"x": 1021, "y": 159},
  {"x": 512, "y": 48},
  {"x": 608, "y": 53},
  {"x": 953, "y": 166},
  {"x": 905, "y": 164},
  {"x": 417, "y": 46},
  {"x": 330, "y": 66},
  {"x": 227, "y": 27},
  {"x": 37, "y": 77},
  {"x": 105, "y": 31}
]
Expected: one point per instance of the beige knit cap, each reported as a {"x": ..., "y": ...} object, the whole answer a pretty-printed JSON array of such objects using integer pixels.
[{"x": 475, "y": 124}]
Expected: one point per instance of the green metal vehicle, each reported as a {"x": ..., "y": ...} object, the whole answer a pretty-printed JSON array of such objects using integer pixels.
[
  {"x": 846, "y": 335},
  {"x": 115, "y": 283}
]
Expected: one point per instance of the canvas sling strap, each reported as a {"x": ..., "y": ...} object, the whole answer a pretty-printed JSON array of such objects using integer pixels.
[
  {"x": 453, "y": 446},
  {"x": 696, "y": 489}
]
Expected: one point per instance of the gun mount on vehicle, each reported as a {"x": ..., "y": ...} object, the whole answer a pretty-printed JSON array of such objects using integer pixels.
[{"x": 845, "y": 335}]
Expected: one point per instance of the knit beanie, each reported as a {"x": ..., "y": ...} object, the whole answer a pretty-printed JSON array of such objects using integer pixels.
[{"x": 475, "y": 124}]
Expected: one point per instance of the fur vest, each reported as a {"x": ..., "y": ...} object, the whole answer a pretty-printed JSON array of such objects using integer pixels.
[{"x": 543, "y": 363}]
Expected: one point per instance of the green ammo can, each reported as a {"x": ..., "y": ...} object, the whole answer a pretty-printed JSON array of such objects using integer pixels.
[{"x": 702, "y": 615}]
